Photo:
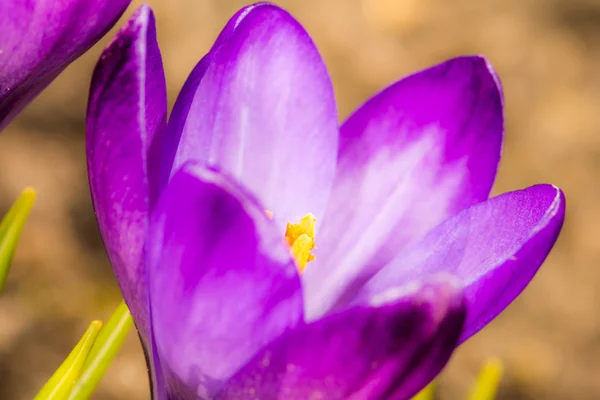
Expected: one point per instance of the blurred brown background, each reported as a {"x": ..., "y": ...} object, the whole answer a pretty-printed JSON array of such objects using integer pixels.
[{"x": 547, "y": 53}]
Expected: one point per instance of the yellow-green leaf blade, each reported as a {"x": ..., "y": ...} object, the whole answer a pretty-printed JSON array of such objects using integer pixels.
[
  {"x": 486, "y": 386},
  {"x": 61, "y": 383},
  {"x": 10, "y": 230},
  {"x": 105, "y": 349},
  {"x": 428, "y": 393}
]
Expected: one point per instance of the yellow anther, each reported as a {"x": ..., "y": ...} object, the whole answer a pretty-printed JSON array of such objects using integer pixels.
[
  {"x": 301, "y": 251},
  {"x": 269, "y": 214},
  {"x": 306, "y": 226},
  {"x": 301, "y": 239}
]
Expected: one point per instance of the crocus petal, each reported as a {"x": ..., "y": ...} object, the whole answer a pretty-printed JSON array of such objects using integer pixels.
[
  {"x": 261, "y": 107},
  {"x": 222, "y": 281},
  {"x": 388, "y": 349},
  {"x": 185, "y": 99},
  {"x": 494, "y": 248},
  {"x": 126, "y": 116},
  {"x": 415, "y": 154},
  {"x": 38, "y": 39}
]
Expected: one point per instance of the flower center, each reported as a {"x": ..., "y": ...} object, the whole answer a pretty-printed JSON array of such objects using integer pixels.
[{"x": 301, "y": 239}]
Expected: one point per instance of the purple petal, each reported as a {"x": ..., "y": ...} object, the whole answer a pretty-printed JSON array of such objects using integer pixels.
[
  {"x": 260, "y": 106},
  {"x": 388, "y": 349},
  {"x": 38, "y": 39},
  {"x": 185, "y": 99},
  {"x": 126, "y": 118},
  {"x": 222, "y": 282},
  {"x": 415, "y": 154},
  {"x": 494, "y": 248}
]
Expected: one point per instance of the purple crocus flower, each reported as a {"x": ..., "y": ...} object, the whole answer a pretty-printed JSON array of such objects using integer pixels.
[
  {"x": 39, "y": 38},
  {"x": 412, "y": 258}
]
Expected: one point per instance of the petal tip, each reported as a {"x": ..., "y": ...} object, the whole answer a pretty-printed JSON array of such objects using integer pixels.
[
  {"x": 258, "y": 12},
  {"x": 238, "y": 18},
  {"x": 142, "y": 17},
  {"x": 143, "y": 14},
  {"x": 483, "y": 67},
  {"x": 556, "y": 210}
]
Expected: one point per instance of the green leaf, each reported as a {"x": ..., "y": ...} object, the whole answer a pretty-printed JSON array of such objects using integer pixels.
[
  {"x": 60, "y": 384},
  {"x": 105, "y": 349},
  {"x": 426, "y": 394},
  {"x": 487, "y": 383},
  {"x": 10, "y": 230}
]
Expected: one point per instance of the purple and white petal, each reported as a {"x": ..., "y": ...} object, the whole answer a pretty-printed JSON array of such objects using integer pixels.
[
  {"x": 418, "y": 152},
  {"x": 126, "y": 116},
  {"x": 185, "y": 98},
  {"x": 388, "y": 348},
  {"x": 261, "y": 107},
  {"x": 494, "y": 248},
  {"x": 38, "y": 39},
  {"x": 222, "y": 282}
]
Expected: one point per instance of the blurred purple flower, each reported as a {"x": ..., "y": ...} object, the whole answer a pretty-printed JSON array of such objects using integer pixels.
[
  {"x": 39, "y": 38},
  {"x": 407, "y": 240}
]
